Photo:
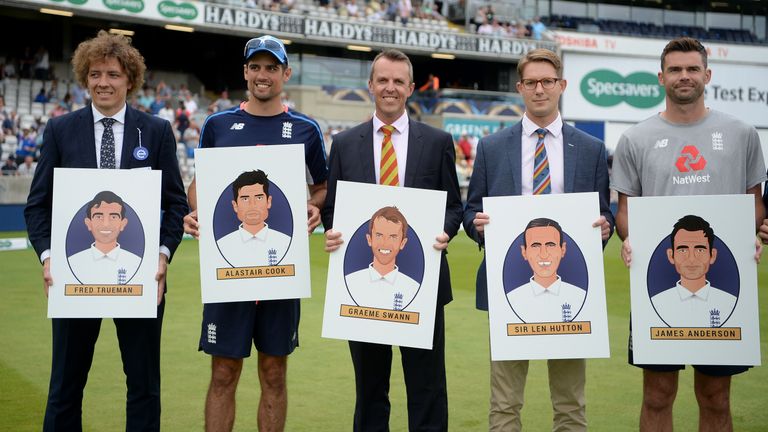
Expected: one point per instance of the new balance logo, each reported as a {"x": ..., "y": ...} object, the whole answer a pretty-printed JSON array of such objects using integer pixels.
[
  {"x": 237, "y": 126},
  {"x": 690, "y": 160},
  {"x": 661, "y": 143}
]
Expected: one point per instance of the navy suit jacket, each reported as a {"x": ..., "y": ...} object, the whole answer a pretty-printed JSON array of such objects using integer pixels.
[
  {"x": 431, "y": 164},
  {"x": 497, "y": 172},
  {"x": 68, "y": 142}
]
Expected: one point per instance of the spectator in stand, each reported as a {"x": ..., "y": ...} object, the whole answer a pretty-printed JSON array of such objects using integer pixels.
[
  {"x": 181, "y": 120},
  {"x": 9, "y": 168},
  {"x": 222, "y": 102},
  {"x": 485, "y": 28},
  {"x": 163, "y": 90},
  {"x": 9, "y": 69},
  {"x": 79, "y": 95},
  {"x": 352, "y": 9},
  {"x": 490, "y": 15},
  {"x": 27, "y": 146},
  {"x": 157, "y": 105},
  {"x": 432, "y": 85},
  {"x": 465, "y": 147},
  {"x": 4, "y": 113},
  {"x": 479, "y": 18},
  {"x": 59, "y": 110},
  {"x": 41, "y": 64},
  {"x": 167, "y": 112},
  {"x": 27, "y": 168},
  {"x": 9, "y": 123},
  {"x": 41, "y": 96},
  {"x": 537, "y": 28},
  {"x": 404, "y": 9},
  {"x": 146, "y": 99},
  {"x": 190, "y": 104},
  {"x": 191, "y": 138},
  {"x": 497, "y": 29},
  {"x": 522, "y": 30}
]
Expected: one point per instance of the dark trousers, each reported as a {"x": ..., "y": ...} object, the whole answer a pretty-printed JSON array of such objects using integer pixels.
[
  {"x": 424, "y": 372},
  {"x": 73, "y": 343}
]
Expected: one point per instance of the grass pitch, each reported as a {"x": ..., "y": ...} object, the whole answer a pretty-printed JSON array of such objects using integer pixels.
[{"x": 321, "y": 381}]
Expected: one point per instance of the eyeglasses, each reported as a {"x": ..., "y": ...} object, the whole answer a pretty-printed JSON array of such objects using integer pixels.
[
  {"x": 546, "y": 83},
  {"x": 268, "y": 43}
]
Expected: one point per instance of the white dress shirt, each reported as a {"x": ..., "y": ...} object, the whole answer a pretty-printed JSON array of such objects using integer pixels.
[
  {"x": 533, "y": 303},
  {"x": 707, "y": 307},
  {"x": 243, "y": 249},
  {"x": 399, "y": 142},
  {"x": 393, "y": 290},
  {"x": 118, "y": 129},
  {"x": 92, "y": 266},
  {"x": 553, "y": 143}
]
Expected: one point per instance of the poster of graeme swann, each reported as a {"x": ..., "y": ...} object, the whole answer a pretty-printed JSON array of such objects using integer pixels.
[
  {"x": 693, "y": 280},
  {"x": 252, "y": 210},
  {"x": 382, "y": 281},
  {"x": 104, "y": 243},
  {"x": 546, "y": 289}
]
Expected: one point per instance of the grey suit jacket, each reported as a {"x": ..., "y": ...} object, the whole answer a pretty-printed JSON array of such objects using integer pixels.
[
  {"x": 431, "y": 165},
  {"x": 497, "y": 172}
]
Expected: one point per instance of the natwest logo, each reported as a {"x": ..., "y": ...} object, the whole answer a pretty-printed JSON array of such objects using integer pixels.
[{"x": 690, "y": 160}]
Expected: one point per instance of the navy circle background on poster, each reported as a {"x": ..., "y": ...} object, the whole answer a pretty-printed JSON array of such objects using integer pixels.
[
  {"x": 225, "y": 220},
  {"x": 79, "y": 238},
  {"x": 517, "y": 272},
  {"x": 723, "y": 274},
  {"x": 410, "y": 260}
]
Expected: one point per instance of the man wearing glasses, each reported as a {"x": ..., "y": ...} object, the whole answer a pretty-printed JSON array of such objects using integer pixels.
[
  {"x": 272, "y": 326},
  {"x": 539, "y": 155}
]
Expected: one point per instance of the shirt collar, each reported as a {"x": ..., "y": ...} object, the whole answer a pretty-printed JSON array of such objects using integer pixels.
[
  {"x": 555, "y": 128},
  {"x": 400, "y": 124},
  {"x": 553, "y": 289},
  {"x": 686, "y": 294},
  {"x": 119, "y": 116},
  {"x": 390, "y": 277},
  {"x": 246, "y": 236},
  {"x": 111, "y": 255}
]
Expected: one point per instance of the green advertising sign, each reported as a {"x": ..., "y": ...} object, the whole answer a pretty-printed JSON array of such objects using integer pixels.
[
  {"x": 171, "y": 9},
  {"x": 607, "y": 88},
  {"x": 133, "y": 6},
  {"x": 74, "y": 2}
]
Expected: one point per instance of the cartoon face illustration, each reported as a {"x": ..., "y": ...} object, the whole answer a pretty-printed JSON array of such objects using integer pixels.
[
  {"x": 692, "y": 253},
  {"x": 251, "y": 200},
  {"x": 543, "y": 249},
  {"x": 386, "y": 236},
  {"x": 105, "y": 219}
]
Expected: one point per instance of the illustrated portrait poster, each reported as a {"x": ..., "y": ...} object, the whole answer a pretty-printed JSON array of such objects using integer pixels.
[
  {"x": 105, "y": 231},
  {"x": 253, "y": 246},
  {"x": 693, "y": 280},
  {"x": 546, "y": 288},
  {"x": 382, "y": 285}
]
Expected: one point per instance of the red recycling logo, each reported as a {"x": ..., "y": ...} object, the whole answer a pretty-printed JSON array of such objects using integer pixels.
[{"x": 690, "y": 159}]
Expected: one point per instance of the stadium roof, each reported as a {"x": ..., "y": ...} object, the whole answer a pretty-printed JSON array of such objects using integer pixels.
[{"x": 746, "y": 7}]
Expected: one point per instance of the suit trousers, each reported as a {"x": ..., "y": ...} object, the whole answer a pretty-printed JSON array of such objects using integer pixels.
[
  {"x": 425, "y": 383},
  {"x": 74, "y": 340},
  {"x": 566, "y": 387}
]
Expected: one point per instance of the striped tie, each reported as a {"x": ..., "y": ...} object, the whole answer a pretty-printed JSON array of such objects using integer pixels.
[
  {"x": 541, "y": 180},
  {"x": 388, "y": 168}
]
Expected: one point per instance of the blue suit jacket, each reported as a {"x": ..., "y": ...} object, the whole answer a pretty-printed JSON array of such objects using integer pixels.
[
  {"x": 497, "y": 172},
  {"x": 431, "y": 164},
  {"x": 68, "y": 142}
]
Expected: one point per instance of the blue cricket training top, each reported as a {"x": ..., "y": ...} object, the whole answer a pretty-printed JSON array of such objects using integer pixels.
[{"x": 235, "y": 127}]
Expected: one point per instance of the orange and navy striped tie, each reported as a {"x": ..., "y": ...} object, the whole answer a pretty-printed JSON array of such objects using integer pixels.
[
  {"x": 542, "y": 184},
  {"x": 388, "y": 167}
]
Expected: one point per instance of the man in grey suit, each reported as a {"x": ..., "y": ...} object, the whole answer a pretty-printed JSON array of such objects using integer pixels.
[
  {"x": 539, "y": 155},
  {"x": 391, "y": 149}
]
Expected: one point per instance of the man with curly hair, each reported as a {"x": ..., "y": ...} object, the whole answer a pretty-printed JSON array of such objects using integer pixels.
[{"x": 107, "y": 134}]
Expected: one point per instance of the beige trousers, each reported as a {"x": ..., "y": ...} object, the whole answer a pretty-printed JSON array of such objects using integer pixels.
[{"x": 566, "y": 387}]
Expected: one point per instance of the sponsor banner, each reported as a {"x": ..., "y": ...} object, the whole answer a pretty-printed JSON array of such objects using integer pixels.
[
  {"x": 189, "y": 12},
  {"x": 645, "y": 47},
  {"x": 545, "y": 277},
  {"x": 628, "y": 89},
  {"x": 17, "y": 243},
  {"x": 383, "y": 281},
  {"x": 693, "y": 280}
]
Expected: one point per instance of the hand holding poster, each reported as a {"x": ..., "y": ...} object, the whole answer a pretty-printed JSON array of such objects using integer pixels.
[
  {"x": 693, "y": 280},
  {"x": 253, "y": 223},
  {"x": 546, "y": 290},
  {"x": 104, "y": 243},
  {"x": 382, "y": 282}
]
